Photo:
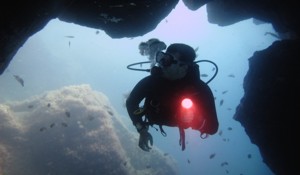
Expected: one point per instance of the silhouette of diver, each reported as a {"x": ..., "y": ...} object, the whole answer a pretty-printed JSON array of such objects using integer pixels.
[{"x": 173, "y": 95}]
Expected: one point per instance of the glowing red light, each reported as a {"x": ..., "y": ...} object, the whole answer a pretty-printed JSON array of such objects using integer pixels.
[{"x": 186, "y": 103}]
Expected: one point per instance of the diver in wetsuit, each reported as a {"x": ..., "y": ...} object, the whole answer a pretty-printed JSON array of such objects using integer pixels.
[{"x": 174, "y": 80}]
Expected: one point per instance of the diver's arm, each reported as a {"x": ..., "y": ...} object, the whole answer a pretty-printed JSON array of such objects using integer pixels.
[
  {"x": 138, "y": 93},
  {"x": 136, "y": 113}
]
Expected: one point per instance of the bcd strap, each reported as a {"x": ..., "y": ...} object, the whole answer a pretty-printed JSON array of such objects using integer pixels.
[{"x": 182, "y": 138}]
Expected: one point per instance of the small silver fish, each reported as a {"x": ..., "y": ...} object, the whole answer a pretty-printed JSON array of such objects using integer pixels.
[
  {"x": 221, "y": 102},
  {"x": 68, "y": 114},
  {"x": 249, "y": 156},
  {"x": 69, "y": 36},
  {"x": 110, "y": 113},
  {"x": 90, "y": 117},
  {"x": 224, "y": 163},
  {"x": 19, "y": 79},
  {"x": 212, "y": 155},
  {"x": 43, "y": 129},
  {"x": 204, "y": 75},
  {"x": 52, "y": 125},
  {"x": 224, "y": 92},
  {"x": 231, "y": 75}
]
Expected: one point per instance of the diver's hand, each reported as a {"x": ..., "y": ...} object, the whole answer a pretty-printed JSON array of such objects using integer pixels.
[{"x": 145, "y": 137}]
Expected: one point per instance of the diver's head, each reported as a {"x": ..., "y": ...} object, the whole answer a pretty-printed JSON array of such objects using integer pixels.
[
  {"x": 176, "y": 60},
  {"x": 185, "y": 52}
]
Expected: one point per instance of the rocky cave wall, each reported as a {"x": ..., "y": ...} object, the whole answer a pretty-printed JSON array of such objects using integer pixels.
[{"x": 270, "y": 105}]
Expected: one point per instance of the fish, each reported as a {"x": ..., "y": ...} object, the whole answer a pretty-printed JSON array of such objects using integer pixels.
[
  {"x": 64, "y": 124},
  {"x": 231, "y": 75},
  {"x": 229, "y": 128},
  {"x": 97, "y": 32},
  {"x": 52, "y": 125},
  {"x": 204, "y": 75},
  {"x": 249, "y": 156},
  {"x": 224, "y": 163},
  {"x": 212, "y": 155},
  {"x": 30, "y": 106},
  {"x": 165, "y": 154},
  {"x": 221, "y": 102},
  {"x": 90, "y": 117},
  {"x": 110, "y": 113},
  {"x": 19, "y": 79},
  {"x": 69, "y": 36},
  {"x": 224, "y": 92},
  {"x": 43, "y": 129},
  {"x": 189, "y": 161},
  {"x": 68, "y": 114},
  {"x": 220, "y": 132},
  {"x": 69, "y": 43},
  {"x": 48, "y": 105}
]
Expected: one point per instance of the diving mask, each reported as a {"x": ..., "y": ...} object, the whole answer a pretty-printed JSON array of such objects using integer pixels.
[{"x": 165, "y": 59}]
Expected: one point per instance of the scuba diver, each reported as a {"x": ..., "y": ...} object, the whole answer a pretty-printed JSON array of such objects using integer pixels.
[
  {"x": 150, "y": 48},
  {"x": 172, "y": 95}
]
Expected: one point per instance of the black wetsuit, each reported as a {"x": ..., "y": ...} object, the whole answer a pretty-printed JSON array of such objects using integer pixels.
[{"x": 163, "y": 98}]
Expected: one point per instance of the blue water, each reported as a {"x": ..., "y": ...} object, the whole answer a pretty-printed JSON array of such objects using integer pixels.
[{"x": 50, "y": 60}]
